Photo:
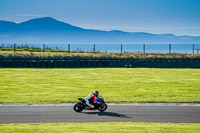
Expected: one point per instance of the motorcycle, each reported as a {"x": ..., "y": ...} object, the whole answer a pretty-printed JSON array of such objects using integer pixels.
[{"x": 80, "y": 106}]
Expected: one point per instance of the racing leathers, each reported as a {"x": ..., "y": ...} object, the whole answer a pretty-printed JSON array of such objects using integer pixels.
[{"x": 91, "y": 100}]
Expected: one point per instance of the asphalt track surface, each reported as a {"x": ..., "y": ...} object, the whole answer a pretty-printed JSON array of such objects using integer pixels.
[{"x": 114, "y": 113}]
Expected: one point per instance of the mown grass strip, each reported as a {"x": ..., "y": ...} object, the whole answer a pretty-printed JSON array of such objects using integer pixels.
[
  {"x": 110, "y": 127},
  {"x": 114, "y": 84}
]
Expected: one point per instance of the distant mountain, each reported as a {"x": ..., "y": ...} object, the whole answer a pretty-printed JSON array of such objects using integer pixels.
[{"x": 49, "y": 30}]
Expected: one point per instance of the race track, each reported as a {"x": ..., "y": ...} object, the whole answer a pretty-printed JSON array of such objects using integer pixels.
[{"x": 114, "y": 113}]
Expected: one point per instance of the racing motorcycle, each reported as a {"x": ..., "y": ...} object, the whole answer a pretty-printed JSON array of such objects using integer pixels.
[{"x": 80, "y": 106}]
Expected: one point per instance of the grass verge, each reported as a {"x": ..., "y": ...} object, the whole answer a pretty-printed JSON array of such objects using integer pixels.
[
  {"x": 114, "y": 84},
  {"x": 91, "y": 55},
  {"x": 109, "y": 127}
]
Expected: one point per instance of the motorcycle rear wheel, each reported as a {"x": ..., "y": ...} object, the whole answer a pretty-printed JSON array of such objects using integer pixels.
[{"x": 78, "y": 107}]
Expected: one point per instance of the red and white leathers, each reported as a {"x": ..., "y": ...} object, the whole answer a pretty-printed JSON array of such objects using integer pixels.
[{"x": 91, "y": 98}]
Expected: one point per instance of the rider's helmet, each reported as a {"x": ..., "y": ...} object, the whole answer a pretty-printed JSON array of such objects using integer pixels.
[{"x": 96, "y": 93}]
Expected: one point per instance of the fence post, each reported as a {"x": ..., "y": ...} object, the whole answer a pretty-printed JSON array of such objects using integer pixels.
[
  {"x": 193, "y": 48},
  {"x": 43, "y": 48},
  {"x": 94, "y": 48},
  {"x": 170, "y": 47},
  {"x": 68, "y": 48},
  {"x": 121, "y": 48},
  {"x": 14, "y": 47},
  {"x": 144, "y": 48}
]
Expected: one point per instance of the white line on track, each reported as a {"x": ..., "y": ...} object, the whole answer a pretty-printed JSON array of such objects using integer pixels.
[{"x": 110, "y": 104}]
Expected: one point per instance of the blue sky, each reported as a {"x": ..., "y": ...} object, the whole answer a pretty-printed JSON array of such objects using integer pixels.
[{"x": 180, "y": 17}]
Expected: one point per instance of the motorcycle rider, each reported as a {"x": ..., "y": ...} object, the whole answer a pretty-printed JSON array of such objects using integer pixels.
[{"x": 91, "y": 99}]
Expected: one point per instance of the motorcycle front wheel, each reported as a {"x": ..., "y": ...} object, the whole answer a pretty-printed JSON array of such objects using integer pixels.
[
  {"x": 78, "y": 107},
  {"x": 102, "y": 108}
]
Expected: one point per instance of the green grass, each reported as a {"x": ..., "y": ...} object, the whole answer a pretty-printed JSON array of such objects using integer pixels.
[
  {"x": 114, "y": 84},
  {"x": 110, "y": 127}
]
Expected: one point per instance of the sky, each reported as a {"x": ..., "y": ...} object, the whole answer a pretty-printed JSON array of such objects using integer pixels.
[{"x": 179, "y": 17}]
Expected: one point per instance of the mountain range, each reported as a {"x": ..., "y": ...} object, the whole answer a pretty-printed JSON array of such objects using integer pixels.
[{"x": 50, "y": 30}]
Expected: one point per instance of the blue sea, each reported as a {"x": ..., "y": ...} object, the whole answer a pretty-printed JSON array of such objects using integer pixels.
[{"x": 138, "y": 48}]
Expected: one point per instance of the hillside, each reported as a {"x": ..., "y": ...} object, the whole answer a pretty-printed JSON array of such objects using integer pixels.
[{"x": 50, "y": 30}]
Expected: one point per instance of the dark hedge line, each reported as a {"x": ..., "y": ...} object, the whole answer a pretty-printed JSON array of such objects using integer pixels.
[{"x": 101, "y": 63}]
